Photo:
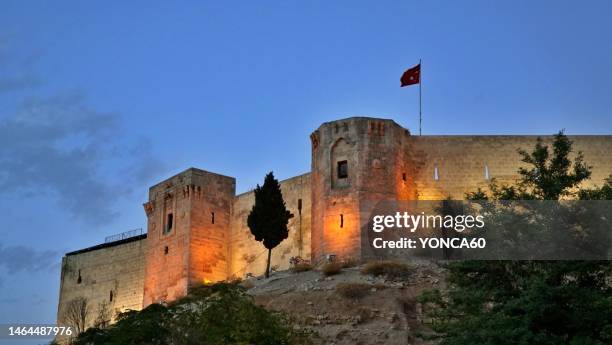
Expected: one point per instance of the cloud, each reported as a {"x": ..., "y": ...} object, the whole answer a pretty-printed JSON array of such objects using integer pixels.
[
  {"x": 18, "y": 83},
  {"x": 18, "y": 259},
  {"x": 31, "y": 299},
  {"x": 11, "y": 79},
  {"x": 62, "y": 146}
]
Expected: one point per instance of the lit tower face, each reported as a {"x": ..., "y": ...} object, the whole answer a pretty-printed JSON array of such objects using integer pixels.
[
  {"x": 188, "y": 232},
  {"x": 356, "y": 162}
]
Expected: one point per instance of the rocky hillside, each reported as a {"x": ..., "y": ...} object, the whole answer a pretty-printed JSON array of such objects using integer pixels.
[
  {"x": 351, "y": 307},
  {"x": 375, "y": 303}
]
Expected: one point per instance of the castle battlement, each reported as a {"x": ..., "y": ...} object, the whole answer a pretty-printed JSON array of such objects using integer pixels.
[{"x": 196, "y": 223}]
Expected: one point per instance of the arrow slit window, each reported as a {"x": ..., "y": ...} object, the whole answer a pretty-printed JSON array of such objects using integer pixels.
[
  {"x": 342, "y": 169},
  {"x": 339, "y": 167},
  {"x": 169, "y": 223}
]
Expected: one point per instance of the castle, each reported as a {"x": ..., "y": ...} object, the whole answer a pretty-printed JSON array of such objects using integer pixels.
[{"x": 197, "y": 229}]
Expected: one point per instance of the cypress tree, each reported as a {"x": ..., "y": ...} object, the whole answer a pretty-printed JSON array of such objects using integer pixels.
[{"x": 269, "y": 217}]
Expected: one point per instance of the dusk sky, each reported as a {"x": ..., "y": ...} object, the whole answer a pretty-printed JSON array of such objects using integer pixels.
[{"x": 100, "y": 100}]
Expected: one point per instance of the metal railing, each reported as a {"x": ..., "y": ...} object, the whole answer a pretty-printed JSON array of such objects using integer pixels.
[{"x": 124, "y": 235}]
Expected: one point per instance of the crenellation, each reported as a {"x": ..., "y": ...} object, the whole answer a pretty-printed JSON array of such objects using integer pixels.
[{"x": 197, "y": 225}]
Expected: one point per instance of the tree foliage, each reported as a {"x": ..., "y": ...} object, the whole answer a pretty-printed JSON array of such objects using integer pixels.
[
  {"x": 216, "y": 314},
  {"x": 552, "y": 175},
  {"x": 599, "y": 193},
  {"x": 269, "y": 217},
  {"x": 529, "y": 302},
  {"x": 546, "y": 176}
]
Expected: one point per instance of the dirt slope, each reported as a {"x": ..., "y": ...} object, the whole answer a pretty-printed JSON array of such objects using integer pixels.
[{"x": 387, "y": 313}]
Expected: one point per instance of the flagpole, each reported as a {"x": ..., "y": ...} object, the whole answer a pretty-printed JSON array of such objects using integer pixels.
[{"x": 420, "y": 106}]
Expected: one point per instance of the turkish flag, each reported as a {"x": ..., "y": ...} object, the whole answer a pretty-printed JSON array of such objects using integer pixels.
[{"x": 411, "y": 76}]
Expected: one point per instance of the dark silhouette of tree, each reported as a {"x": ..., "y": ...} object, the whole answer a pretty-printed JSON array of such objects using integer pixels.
[
  {"x": 104, "y": 316},
  {"x": 218, "y": 314},
  {"x": 599, "y": 193},
  {"x": 269, "y": 217},
  {"x": 77, "y": 314},
  {"x": 529, "y": 302},
  {"x": 547, "y": 176},
  {"x": 551, "y": 177}
]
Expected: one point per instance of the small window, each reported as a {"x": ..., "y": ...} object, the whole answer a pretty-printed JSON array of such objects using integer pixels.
[
  {"x": 110, "y": 297},
  {"x": 166, "y": 250},
  {"x": 212, "y": 217},
  {"x": 487, "y": 175},
  {"x": 436, "y": 173},
  {"x": 169, "y": 222},
  {"x": 300, "y": 205},
  {"x": 342, "y": 169},
  {"x": 403, "y": 176},
  {"x": 341, "y": 220},
  {"x": 79, "y": 279}
]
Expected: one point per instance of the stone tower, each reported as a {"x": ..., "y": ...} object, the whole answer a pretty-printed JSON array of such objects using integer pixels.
[
  {"x": 188, "y": 233},
  {"x": 356, "y": 162}
]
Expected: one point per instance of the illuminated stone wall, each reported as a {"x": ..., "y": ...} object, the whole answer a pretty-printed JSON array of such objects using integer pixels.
[
  {"x": 372, "y": 150},
  {"x": 210, "y": 228},
  {"x": 462, "y": 162},
  {"x": 116, "y": 268},
  {"x": 194, "y": 249},
  {"x": 248, "y": 255},
  {"x": 210, "y": 241},
  {"x": 385, "y": 162}
]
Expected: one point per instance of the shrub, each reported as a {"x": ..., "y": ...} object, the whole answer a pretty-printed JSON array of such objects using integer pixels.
[
  {"x": 294, "y": 260},
  {"x": 349, "y": 262},
  {"x": 132, "y": 327},
  {"x": 248, "y": 284},
  {"x": 301, "y": 267},
  {"x": 379, "y": 286},
  {"x": 219, "y": 314},
  {"x": 353, "y": 290},
  {"x": 364, "y": 314},
  {"x": 389, "y": 269},
  {"x": 331, "y": 268}
]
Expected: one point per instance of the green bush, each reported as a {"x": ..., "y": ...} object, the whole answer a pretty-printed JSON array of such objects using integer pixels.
[
  {"x": 353, "y": 290},
  {"x": 301, "y": 267},
  {"x": 214, "y": 314},
  {"x": 349, "y": 262},
  {"x": 331, "y": 268},
  {"x": 529, "y": 302},
  {"x": 389, "y": 269},
  {"x": 148, "y": 326}
]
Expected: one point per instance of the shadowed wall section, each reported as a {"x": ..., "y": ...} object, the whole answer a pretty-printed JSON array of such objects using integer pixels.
[{"x": 108, "y": 276}]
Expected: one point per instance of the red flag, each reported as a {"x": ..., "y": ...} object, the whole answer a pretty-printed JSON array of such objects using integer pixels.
[{"x": 411, "y": 76}]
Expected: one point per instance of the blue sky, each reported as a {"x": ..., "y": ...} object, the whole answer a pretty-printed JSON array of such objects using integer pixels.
[{"x": 99, "y": 100}]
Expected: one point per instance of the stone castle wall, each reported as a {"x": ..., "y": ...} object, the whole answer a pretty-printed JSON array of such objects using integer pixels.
[
  {"x": 370, "y": 151},
  {"x": 462, "y": 161},
  {"x": 248, "y": 255},
  {"x": 209, "y": 239},
  {"x": 115, "y": 268},
  {"x": 209, "y": 252},
  {"x": 188, "y": 233}
]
